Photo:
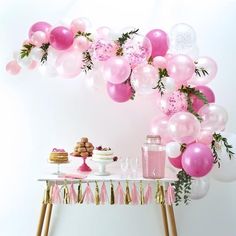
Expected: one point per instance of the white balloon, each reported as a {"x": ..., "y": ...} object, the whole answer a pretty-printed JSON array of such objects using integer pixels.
[
  {"x": 227, "y": 170},
  {"x": 173, "y": 149},
  {"x": 25, "y": 61},
  {"x": 200, "y": 188},
  {"x": 36, "y": 54},
  {"x": 169, "y": 84}
]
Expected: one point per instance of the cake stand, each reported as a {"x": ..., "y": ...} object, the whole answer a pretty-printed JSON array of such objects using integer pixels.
[
  {"x": 58, "y": 172},
  {"x": 102, "y": 166},
  {"x": 84, "y": 167}
]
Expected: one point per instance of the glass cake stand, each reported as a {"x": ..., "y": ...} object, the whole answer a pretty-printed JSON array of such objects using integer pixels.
[{"x": 58, "y": 172}]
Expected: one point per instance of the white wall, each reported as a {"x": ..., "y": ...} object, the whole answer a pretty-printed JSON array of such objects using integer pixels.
[{"x": 39, "y": 113}]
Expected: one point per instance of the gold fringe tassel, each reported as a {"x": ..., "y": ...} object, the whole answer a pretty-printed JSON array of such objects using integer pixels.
[
  {"x": 80, "y": 194},
  {"x": 112, "y": 198},
  {"x": 97, "y": 198},
  {"x": 141, "y": 194},
  {"x": 127, "y": 194},
  {"x": 47, "y": 198},
  {"x": 66, "y": 197},
  {"x": 159, "y": 194}
]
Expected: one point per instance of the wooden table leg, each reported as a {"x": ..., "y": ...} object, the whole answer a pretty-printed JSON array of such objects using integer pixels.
[
  {"x": 48, "y": 218},
  {"x": 164, "y": 215},
  {"x": 172, "y": 220},
  {"x": 41, "y": 219}
]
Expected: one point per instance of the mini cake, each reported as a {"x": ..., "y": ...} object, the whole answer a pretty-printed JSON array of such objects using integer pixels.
[
  {"x": 103, "y": 153},
  {"x": 83, "y": 148},
  {"x": 58, "y": 156}
]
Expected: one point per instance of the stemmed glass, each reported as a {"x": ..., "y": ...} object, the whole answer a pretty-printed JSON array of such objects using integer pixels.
[
  {"x": 134, "y": 164},
  {"x": 124, "y": 166}
]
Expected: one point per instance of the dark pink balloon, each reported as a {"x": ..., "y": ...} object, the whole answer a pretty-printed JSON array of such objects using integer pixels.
[
  {"x": 119, "y": 92},
  {"x": 197, "y": 160},
  {"x": 39, "y": 26},
  {"x": 210, "y": 96},
  {"x": 176, "y": 162},
  {"x": 159, "y": 40},
  {"x": 61, "y": 38}
]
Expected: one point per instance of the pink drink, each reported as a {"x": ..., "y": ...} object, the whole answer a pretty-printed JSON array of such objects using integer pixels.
[{"x": 153, "y": 158}]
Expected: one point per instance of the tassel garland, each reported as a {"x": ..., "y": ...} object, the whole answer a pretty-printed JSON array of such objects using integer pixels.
[
  {"x": 127, "y": 194},
  {"x": 119, "y": 195},
  {"x": 134, "y": 195},
  {"x": 103, "y": 194},
  {"x": 97, "y": 197}
]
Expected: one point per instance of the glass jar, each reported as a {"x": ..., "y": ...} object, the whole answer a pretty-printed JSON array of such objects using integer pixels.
[{"x": 153, "y": 158}]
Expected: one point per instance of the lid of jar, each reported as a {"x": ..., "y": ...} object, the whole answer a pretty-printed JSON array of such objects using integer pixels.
[{"x": 154, "y": 137}]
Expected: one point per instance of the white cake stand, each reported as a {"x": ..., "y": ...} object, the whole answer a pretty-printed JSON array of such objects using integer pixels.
[{"x": 102, "y": 166}]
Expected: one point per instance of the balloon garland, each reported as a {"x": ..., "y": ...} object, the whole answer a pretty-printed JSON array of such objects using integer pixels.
[{"x": 191, "y": 122}]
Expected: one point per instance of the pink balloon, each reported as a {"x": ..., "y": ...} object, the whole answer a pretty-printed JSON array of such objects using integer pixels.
[
  {"x": 39, "y": 26},
  {"x": 210, "y": 96},
  {"x": 205, "y": 137},
  {"x": 33, "y": 65},
  {"x": 69, "y": 64},
  {"x": 104, "y": 32},
  {"x": 159, "y": 41},
  {"x": 176, "y": 162},
  {"x": 38, "y": 38},
  {"x": 116, "y": 70},
  {"x": 82, "y": 43},
  {"x": 119, "y": 92},
  {"x": 77, "y": 25},
  {"x": 159, "y": 126},
  {"x": 159, "y": 62},
  {"x": 184, "y": 127},
  {"x": 197, "y": 160},
  {"x": 214, "y": 117},
  {"x": 61, "y": 38},
  {"x": 13, "y": 68},
  {"x": 181, "y": 68},
  {"x": 210, "y": 66},
  {"x": 173, "y": 103}
]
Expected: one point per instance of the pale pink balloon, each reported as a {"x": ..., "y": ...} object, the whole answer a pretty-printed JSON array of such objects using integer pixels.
[
  {"x": 69, "y": 64},
  {"x": 181, "y": 68},
  {"x": 77, "y": 25},
  {"x": 82, "y": 43},
  {"x": 205, "y": 137},
  {"x": 32, "y": 65},
  {"x": 184, "y": 127},
  {"x": 173, "y": 103},
  {"x": 159, "y": 126},
  {"x": 104, "y": 32},
  {"x": 38, "y": 38},
  {"x": 39, "y": 26},
  {"x": 159, "y": 62},
  {"x": 13, "y": 68},
  {"x": 144, "y": 79},
  {"x": 214, "y": 117},
  {"x": 116, "y": 70},
  {"x": 210, "y": 66}
]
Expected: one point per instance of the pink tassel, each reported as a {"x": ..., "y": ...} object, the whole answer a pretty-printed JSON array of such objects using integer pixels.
[
  {"x": 88, "y": 195},
  {"x": 148, "y": 194},
  {"x": 72, "y": 194},
  {"x": 119, "y": 195},
  {"x": 170, "y": 195},
  {"x": 103, "y": 194},
  {"x": 134, "y": 195},
  {"x": 56, "y": 198}
]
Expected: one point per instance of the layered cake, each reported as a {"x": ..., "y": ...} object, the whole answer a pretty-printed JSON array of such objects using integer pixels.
[
  {"x": 83, "y": 148},
  {"x": 103, "y": 153},
  {"x": 58, "y": 156}
]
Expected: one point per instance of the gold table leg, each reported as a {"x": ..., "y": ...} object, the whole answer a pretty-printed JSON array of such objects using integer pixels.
[
  {"x": 48, "y": 218},
  {"x": 172, "y": 220},
  {"x": 164, "y": 215},
  {"x": 41, "y": 219}
]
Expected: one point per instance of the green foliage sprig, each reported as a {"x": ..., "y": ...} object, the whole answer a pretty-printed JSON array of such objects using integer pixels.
[
  {"x": 26, "y": 49},
  {"x": 86, "y": 35},
  {"x": 44, "y": 47},
  {"x": 218, "y": 139},
  {"x": 200, "y": 71},
  {"x": 87, "y": 62},
  {"x": 189, "y": 91},
  {"x": 122, "y": 40},
  {"x": 182, "y": 187},
  {"x": 160, "y": 85}
]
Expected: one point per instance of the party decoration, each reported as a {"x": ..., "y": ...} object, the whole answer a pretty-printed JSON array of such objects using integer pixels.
[
  {"x": 170, "y": 195},
  {"x": 199, "y": 188},
  {"x": 164, "y": 66},
  {"x": 148, "y": 198},
  {"x": 119, "y": 195},
  {"x": 72, "y": 194},
  {"x": 197, "y": 160}
]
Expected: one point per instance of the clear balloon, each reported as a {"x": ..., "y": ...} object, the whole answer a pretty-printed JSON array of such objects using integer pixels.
[
  {"x": 159, "y": 126},
  {"x": 181, "y": 68},
  {"x": 199, "y": 188},
  {"x": 226, "y": 172},
  {"x": 144, "y": 79},
  {"x": 116, "y": 70},
  {"x": 119, "y": 92},
  {"x": 173, "y": 149},
  {"x": 184, "y": 127},
  {"x": 197, "y": 160},
  {"x": 39, "y": 26},
  {"x": 104, "y": 32},
  {"x": 173, "y": 103},
  {"x": 13, "y": 67},
  {"x": 182, "y": 37},
  {"x": 214, "y": 117},
  {"x": 61, "y": 38},
  {"x": 77, "y": 25},
  {"x": 207, "y": 92},
  {"x": 159, "y": 41},
  {"x": 69, "y": 64},
  {"x": 210, "y": 66},
  {"x": 137, "y": 50},
  {"x": 36, "y": 53}
]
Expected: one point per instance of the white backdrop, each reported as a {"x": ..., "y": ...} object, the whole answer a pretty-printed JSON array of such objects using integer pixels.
[{"x": 38, "y": 113}]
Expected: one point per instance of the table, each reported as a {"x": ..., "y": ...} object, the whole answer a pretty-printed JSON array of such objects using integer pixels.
[{"x": 47, "y": 205}]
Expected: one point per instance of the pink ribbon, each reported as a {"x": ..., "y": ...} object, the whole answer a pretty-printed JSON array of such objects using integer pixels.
[
  {"x": 56, "y": 198},
  {"x": 72, "y": 194},
  {"x": 103, "y": 194},
  {"x": 88, "y": 195},
  {"x": 134, "y": 195},
  {"x": 58, "y": 150},
  {"x": 148, "y": 194},
  {"x": 119, "y": 195}
]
